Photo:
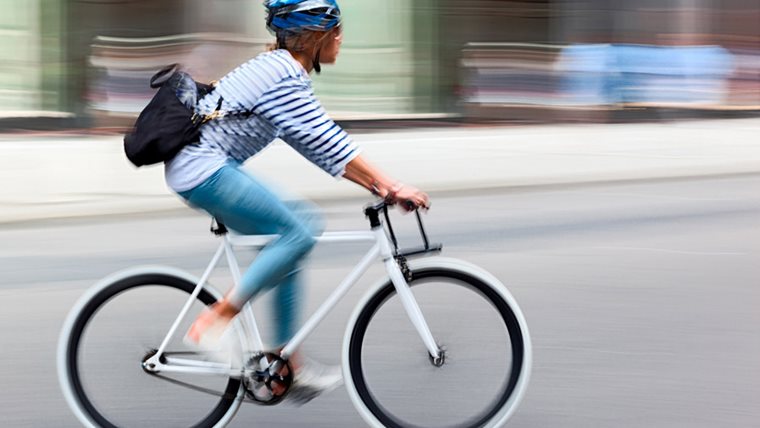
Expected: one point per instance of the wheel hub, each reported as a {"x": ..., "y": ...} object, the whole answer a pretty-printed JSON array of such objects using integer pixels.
[{"x": 441, "y": 359}]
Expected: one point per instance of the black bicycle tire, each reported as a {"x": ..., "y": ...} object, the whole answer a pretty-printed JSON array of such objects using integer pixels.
[
  {"x": 91, "y": 308},
  {"x": 385, "y": 292}
]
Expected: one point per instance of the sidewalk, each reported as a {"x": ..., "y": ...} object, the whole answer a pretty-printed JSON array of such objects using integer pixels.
[{"x": 72, "y": 176}]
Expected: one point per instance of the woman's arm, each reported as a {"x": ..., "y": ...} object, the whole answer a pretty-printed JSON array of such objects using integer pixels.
[
  {"x": 371, "y": 178},
  {"x": 327, "y": 145}
]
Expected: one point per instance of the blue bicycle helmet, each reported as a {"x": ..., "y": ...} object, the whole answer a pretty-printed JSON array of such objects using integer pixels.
[
  {"x": 291, "y": 17},
  {"x": 294, "y": 16}
]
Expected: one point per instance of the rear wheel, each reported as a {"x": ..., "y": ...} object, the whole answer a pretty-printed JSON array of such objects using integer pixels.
[
  {"x": 118, "y": 327},
  {"x": 394, "y": 382}
]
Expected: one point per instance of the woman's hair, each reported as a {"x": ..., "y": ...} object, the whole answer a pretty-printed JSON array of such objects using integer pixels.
[{"x": 294, "y": 42}]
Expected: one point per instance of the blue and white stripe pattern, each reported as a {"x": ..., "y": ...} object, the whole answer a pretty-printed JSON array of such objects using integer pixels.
[{"x": 277, "y": 89}]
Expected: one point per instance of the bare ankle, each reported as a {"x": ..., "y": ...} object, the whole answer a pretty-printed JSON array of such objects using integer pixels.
[
  {"x": 225, "y": 309},
  {"x": 296, "y": 361}
]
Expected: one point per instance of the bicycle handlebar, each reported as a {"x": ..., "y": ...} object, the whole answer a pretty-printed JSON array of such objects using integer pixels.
[{"x": 373, "y": 211}]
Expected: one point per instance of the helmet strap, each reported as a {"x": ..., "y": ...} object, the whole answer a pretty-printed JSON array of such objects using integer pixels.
[{"x": 315, "y": 61}]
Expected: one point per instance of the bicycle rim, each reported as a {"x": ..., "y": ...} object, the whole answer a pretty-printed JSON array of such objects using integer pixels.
[
  {"x": 393, "y": 375},
  {"x": 111, "y": 335}
]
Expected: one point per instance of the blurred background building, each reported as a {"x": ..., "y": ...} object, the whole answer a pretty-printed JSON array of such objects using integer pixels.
[{"x": 85, "y": 63}]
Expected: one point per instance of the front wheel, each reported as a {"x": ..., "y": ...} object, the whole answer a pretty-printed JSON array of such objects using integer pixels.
[
  {"x": 483, "y": 338},
  {"x": 117, "y": 326}
]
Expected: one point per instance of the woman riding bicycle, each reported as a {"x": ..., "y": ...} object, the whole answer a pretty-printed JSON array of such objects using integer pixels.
[{"x": 208, "y": 174}]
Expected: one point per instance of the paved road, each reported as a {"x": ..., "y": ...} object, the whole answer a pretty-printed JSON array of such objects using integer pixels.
[{"x": 642, "y": 298}]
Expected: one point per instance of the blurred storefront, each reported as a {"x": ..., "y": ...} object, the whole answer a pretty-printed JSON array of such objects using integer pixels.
[
  {"x": 31, "y": 59},
  {"x": 385, "y": 70},
  {"x": 613, "y": 59},
  {"x": 117, "y": 45},
  {"x": 88, "y": 61}
]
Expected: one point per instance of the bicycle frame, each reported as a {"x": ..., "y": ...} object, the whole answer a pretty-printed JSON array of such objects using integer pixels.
[{"x": 249, "y": 333}]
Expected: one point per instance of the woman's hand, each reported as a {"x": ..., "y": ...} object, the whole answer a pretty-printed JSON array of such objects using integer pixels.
[{"x": 408, "y": 197}]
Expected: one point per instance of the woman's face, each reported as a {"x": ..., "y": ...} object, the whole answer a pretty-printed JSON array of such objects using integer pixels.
[{"x": 331, "y": 46}]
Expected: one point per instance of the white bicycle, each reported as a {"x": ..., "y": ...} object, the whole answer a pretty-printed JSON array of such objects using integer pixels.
[{"x": 463, "y": 361}]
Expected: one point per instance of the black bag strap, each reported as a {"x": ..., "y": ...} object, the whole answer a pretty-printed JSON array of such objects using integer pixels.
[
  {"x": 166, "y": 73},
  {"x": 219, "y": 113}
]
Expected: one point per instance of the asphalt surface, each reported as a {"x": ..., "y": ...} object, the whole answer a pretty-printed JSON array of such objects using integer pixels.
[{"x": 641, "y": 297}]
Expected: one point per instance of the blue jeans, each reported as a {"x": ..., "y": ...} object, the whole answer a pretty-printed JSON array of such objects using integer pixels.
[{"x": 246, "y": 206}]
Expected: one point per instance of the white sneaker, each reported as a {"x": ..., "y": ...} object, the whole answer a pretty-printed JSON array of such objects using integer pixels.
[{"x": 313, "y": 379}]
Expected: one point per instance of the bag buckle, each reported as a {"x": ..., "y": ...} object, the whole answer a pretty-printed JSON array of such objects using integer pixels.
[
  {"x": 214, "y": 115},
  {"x": 200, "y": 119},
  {"x": 211, "y": 116}
]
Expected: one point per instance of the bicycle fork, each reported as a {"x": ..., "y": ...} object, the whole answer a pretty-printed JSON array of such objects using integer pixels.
[{"x": 407, "y": 297}]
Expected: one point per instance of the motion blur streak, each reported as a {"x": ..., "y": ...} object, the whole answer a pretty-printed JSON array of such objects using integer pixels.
[{"x": 86, "y": 62}]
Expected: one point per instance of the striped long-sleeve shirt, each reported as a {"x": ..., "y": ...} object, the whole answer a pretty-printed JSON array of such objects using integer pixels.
[{"x": 276, "y": 88}]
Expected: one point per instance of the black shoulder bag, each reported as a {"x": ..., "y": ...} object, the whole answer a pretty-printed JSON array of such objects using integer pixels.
[{"x": 167, "y": 124}]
